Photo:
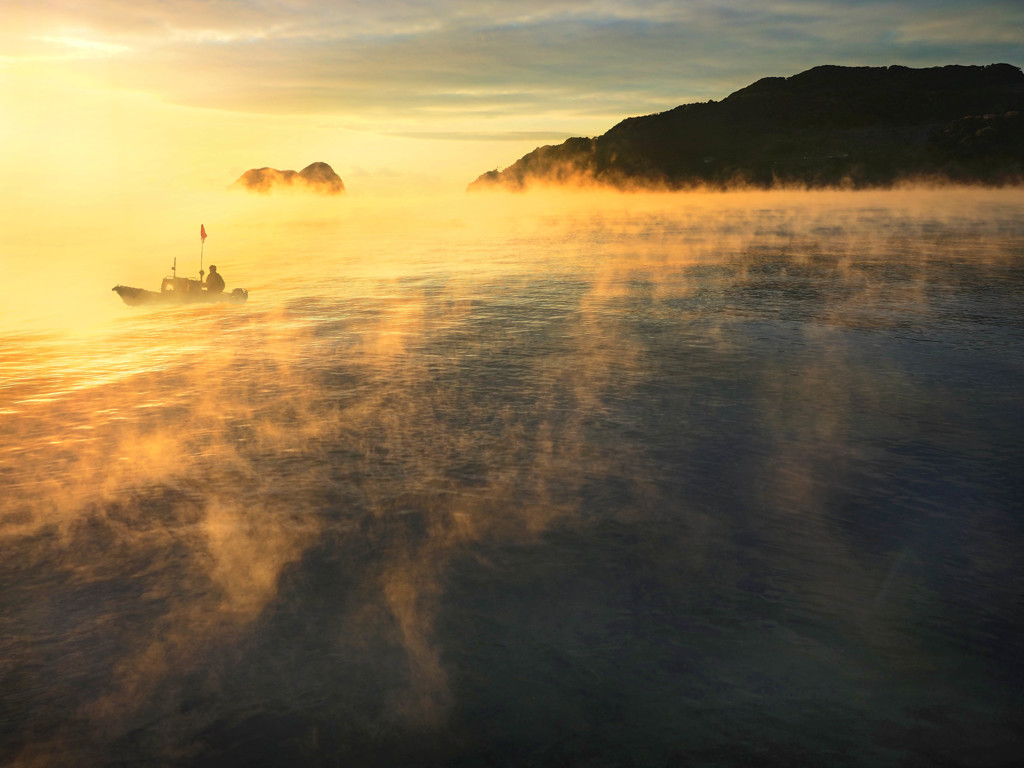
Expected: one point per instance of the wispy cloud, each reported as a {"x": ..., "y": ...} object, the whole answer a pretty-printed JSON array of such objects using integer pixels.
[
  {"x": 78, "y": 47},
  {"x": 490, "y": 57},
  {"x": 483, "y": 135}
]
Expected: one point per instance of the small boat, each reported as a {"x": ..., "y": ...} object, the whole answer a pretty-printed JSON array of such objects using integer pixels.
[
  {"x": 179, "y": 290},
  {"x": 183, "y": 290}
]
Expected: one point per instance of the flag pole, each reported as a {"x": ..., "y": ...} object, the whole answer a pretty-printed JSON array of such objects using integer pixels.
[{"x": 202, "y": 245}]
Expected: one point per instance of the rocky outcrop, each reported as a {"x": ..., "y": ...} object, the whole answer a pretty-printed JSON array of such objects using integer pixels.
[
  {"x": 828, "y": 126},
  {"x": 316, "y": 177}
]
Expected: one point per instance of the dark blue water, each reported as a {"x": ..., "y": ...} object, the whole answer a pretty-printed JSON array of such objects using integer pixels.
[{"x": 645, "y": 489}]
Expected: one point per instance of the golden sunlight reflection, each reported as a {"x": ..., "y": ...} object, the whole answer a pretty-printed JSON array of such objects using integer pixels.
[{"x": 422, "y": 390}]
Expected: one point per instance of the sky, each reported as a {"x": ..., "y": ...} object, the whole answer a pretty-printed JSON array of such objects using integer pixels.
[{"x": 136, "y": 94}]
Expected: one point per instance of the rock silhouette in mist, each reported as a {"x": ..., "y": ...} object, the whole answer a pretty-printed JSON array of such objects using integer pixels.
[
  {"x": 829, "y": 126},
  {"x": 316, "y": 177}
]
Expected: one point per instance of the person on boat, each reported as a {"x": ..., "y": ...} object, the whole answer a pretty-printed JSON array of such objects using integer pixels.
[{"x": 214, "y": 282}]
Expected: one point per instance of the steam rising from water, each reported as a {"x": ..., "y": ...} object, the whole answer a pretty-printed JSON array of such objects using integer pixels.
[{"x": 506, "y": 471}]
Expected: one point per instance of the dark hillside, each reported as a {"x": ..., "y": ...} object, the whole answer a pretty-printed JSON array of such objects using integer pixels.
[{"x": 858, "y": 126}]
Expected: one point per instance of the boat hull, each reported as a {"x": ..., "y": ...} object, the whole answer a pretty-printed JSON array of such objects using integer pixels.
[{"x": 134, "y": 297}]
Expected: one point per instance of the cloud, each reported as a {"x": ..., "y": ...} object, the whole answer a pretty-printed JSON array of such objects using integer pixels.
[
  {"x": 483, "y": 135},
  {"x": 76, "y": 47},
  {"x": 492, "y": 59}
]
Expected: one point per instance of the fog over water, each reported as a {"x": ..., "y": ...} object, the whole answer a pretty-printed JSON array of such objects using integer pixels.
[{"x": 544, "y": 480}]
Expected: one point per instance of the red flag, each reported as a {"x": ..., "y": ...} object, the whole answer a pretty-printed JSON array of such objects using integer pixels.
[{"x": 202, "y": 233}]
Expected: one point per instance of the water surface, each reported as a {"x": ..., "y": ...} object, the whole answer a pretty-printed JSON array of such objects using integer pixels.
[{"x": 677, "y": 480}]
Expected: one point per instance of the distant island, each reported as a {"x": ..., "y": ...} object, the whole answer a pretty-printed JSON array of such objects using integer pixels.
[
  {"x": 315, "y": 177},
  {"x": 829, "y": 126}
]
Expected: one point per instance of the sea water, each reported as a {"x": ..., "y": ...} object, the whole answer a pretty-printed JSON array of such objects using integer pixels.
[{"x": 615, "y": 480}]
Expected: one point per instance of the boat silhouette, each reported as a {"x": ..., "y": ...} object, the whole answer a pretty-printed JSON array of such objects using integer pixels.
[
  {"x": 179, "y": 290},
  {"x": 182, "y": 290}
]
